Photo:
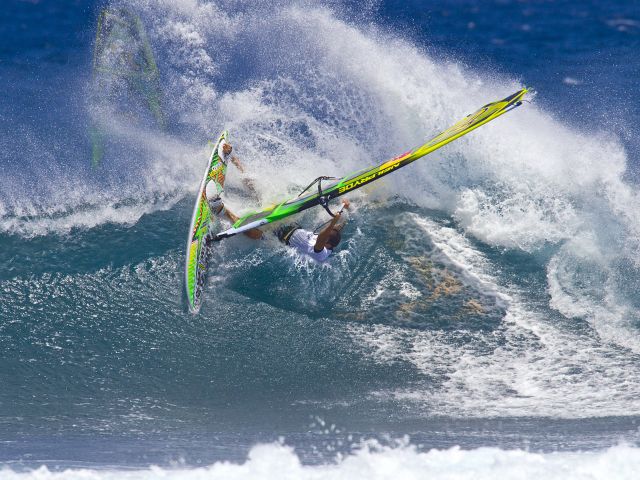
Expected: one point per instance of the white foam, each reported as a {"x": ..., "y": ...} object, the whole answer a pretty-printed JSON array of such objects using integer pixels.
[
  {"x": 375, "y": 462},
  {"x": 529, "y": 365},
  {"x": 68, "y": 202},
  {"x": 584, "y": 284},
  {"x": 571, "y": 81}
]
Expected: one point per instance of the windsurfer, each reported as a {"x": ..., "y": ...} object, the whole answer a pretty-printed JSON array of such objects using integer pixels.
[
  {"x": 215, "y": 186},
  {"x": 319, "y": 246}
]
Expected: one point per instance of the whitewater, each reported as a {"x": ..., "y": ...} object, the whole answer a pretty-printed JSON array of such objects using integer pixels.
[
  {"x": 373, "y": 462},
  {"x": 480, "y": 321}
]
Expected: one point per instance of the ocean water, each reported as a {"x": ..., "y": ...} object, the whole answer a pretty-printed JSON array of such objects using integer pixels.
[{"x": 480, "y": 320}]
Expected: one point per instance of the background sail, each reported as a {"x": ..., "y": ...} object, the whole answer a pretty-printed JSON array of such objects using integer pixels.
[
  {"x": 126, "y": 81},
  {"x": 362, "y": 177}
]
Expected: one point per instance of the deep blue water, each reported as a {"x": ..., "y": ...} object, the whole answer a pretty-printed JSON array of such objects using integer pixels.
[
  {"x": 594, "y": 43},
  {"x": 485, "y": 298}
]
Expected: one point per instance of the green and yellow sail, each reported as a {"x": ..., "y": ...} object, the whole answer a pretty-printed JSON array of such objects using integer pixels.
[{"x": 360, "y": 178}]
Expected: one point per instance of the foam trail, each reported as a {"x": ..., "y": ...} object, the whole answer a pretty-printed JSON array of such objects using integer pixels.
[{"x": 527, "y": 365}]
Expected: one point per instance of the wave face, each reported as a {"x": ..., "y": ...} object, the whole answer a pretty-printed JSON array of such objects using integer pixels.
[{"x": 492, "y": 284}]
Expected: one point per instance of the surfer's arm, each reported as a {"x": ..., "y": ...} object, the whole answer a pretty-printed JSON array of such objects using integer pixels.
[
  {"x": 342, "y": 220},
  {"x": 336, "y": 222},
  {"x": 236, "y": 161},
  {"x": 323, "y": 236},
  {"x": 341, "y": 223},
  {"x": 246, "y": 181}
]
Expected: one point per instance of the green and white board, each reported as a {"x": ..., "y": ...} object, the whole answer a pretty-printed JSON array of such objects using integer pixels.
[{"x": 197, "y": 248}]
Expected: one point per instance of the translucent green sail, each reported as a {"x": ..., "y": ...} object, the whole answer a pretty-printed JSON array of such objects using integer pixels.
[
  {"x": 360, "y": 178},
  {"x": 126, "y": 80}
]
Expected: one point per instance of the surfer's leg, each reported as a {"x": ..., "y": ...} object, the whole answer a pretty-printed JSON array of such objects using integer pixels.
[
  {"x": 214, "y": 198},
  {"x": 254, "y": 233},
  {"x": 217, "y": 207}
]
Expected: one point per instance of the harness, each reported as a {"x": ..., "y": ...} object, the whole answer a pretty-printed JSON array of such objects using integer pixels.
[{"x": 285, "y": 233}]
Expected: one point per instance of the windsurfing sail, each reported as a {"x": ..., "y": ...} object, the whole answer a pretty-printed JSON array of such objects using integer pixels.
[
  {"x": 126, "y": 81},
  {"x": 360, "y": 178}
]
